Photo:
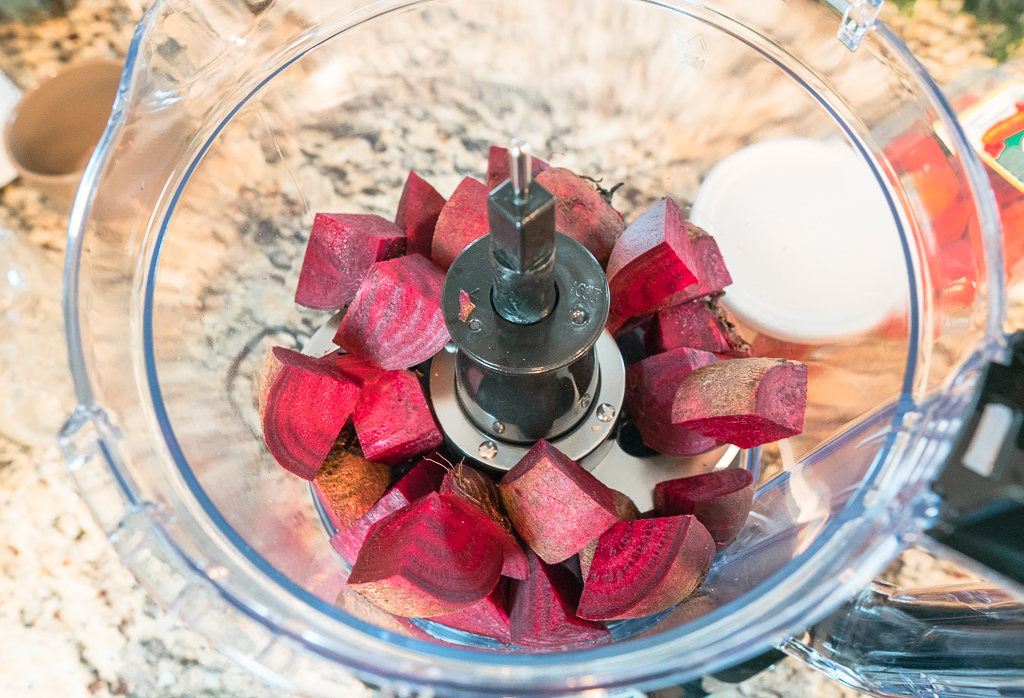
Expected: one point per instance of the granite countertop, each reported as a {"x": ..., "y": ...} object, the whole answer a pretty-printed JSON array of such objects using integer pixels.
[{"x": 73, "y": 622}]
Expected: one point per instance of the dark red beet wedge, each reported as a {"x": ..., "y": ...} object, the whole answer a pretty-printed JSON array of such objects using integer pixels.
[
  {"x": 488, "y": 617},
  {"x": 497, "y": 167},
  {"x": 341, "y": 249},
  {"x": 393, "y": 420},
  {"x": 348, "y": 484},
  {"x": 395, "y": 320},
  {"x": 463, "y": 219},
  {"x": 582, "y": 213},
  {"x": 417, "y": 214},
  {"x": 555, "y": 505},
  {"x": 544, "y": 610},
  {"x": 307, "y": 403},
  {"x": 429, "y": 559},
  {"x": 720, "y": 500},
  {"x": 651, "y": 387},
  {"x": 746, "y": 402},
  {"x": 712, "y": 276},
  {"x": 644, "y": 567},
  {"x": 357, "y": 370},
  {"x": 652, "y": 260},
  {"x": 699, "y": 324},
  {"x": 627, "y": 511}
]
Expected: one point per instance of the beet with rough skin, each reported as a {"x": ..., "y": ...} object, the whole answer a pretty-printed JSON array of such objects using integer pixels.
[
  {"x": 348, "y": 484},
  {"x": 463, "y": 220},
  {"x": 393, "y": 420},
  {"x": 417, "y": 214},
  {"x": 582, "y": 213},
  {"x": 720, "y": 500},
  {"x": 699, "y": 324},
  {"x": 488, "y": 617},
  {"x": 497, "y": 167},
  {"x": 627, "y": 511}
]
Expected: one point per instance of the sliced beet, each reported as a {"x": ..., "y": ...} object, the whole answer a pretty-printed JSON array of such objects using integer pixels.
[
  {"x": 644, "y": 567},
  {"x": 712, "y": 276},
  {"x": 746, "y": 402},
  {"x": 393, "y": 420},
  {"x": 497, "y": 167},
  {"x": 699, "y": 324},
  {"x": 434, "y": 557},
  {"x": 463, "y": 220},
  {"x": 627, "y": 511},
  {"x": 544, "y": 610},
  {"x": 348, "y": 484},
  {"x": 582, "y": 213},
  {"x": 341, "y": 249},
  {"x": 357, "y": 370},
  {"x": 488, "y": 617},
  {"x": 395, "y": 320},
  {"x": 720, "y": 500},
  {"x": 417, "y": 214},
  {"x": 307, "y": 402},
  {"x": 651, "y": 387},
  {"x": 555, "y": 505},
  {"x": 652, "y": 259}
]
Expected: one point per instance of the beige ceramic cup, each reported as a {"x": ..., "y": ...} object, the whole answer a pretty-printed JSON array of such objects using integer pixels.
[{"x": 56, "y": 125}]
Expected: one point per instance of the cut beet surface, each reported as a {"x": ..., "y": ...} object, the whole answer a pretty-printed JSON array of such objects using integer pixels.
[
  {"x": 497, "y": 167},
  {"x": 341, "y": 249},
  {"x": 720, "y": 500},
  {"x": 544, "y": 610},
  {"x": 699, "y": 324},
  {"x": 488, "y": 617},
  {"x": 712, "y": 276},
  {"x": 644, "y": 567},
  {"x": 393, "y": 420},
  {"x": 463, "y": 220},
  {"x": 582, "y": 213},
  {"x": 348, "y": 484},
  {"x": 627, "y": 511},
  {"x": 395, "y": 320},
  {"x": 307, "y": 403},
  {"x": 555, "y": 505},
  {"x": 417, "y": 214},
  {"x": 746, "y": 402},
  {"x": 434, "y": 557}
]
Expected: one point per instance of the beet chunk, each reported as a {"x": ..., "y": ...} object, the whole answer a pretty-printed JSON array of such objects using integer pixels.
[
  {"x": 348, "y": 484},
  {"x": 417, "y": 214},
  {"x": 746, "y": 402},
  {"x": 497, "y": 167},
  {"x": 544, "y": 610},
  {"x": 463, "y": 219},
  {"x": 720, "y": 500},
  {"x": 712, "y": 276},
  {"x": 488, "y": 617},
  {"x": 307, "y": 402},
  {"x": 341, "y": 249},
  {"x": 434, "y": 557},
  {"x": 699, "y": 324},
  {"x": 651, "y": 387},
  {"x": 652, "y": 260},
  {"x": 627, "y": 511},
  {"x": 582, "y": 213},
  {"x": 393, "y": 420},
  {"x": 557, "y": 506},
  {"x": 644, "y": 567},
  {"x": 395, "y": 320}
]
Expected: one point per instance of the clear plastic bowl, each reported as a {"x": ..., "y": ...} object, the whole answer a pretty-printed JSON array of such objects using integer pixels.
[{"x": 236, "y": 121}]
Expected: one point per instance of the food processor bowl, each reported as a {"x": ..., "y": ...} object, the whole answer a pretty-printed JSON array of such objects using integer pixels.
[{"x": 236, "y": 121}]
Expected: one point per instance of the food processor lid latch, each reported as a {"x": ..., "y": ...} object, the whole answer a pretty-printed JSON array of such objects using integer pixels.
[{"x": 858, "y": 19}]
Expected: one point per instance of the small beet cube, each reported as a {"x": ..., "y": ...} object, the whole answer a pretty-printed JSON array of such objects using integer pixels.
[
  {"x": 699, "y": 324},
  {"x": 463, "y": 220},
  {"x": 554, "y": 504},
  {"x": 395, "y": 320},
  {"x": 488, "y": 617},
  {"x": 348, "y": 484},
  {"x": 341, "y": 249},
  {"x": 393, "y": 420},
  {"x": 720, "y": 500},
  {"x": 417, "y": 214},
  {"x": 497, "y": 167},
  {"x": 644, "y": 567},
  {"x": 746, "y": 402},
  {"x": 627, "y": 511},
  {"x": 712, "y": 276},
  {"x": 582, "y": 213}
]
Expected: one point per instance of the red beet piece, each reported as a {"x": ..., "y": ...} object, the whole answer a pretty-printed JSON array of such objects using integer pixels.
[
  {"x": 699, "y": 324},
  {"x": 463, "y": 219},
  {"x": 652, "y": 259},
  {"x": 712, "y": 276},
  {"x": 355, "y": 369},
  {"x": 417, "y": 214},
  {"x": 395, "y": 320},
  {"x": 556, "y": 505},
  {"x": 497, "y": 167},
  {"x": 393, "y": 420},
  {"x": 582, "y": 213},
  {"x": 644, "y": 567},
  {"x": 746, "y": 402},
  {"x": 358, "y": 607},
  {"x": 720, "y": 500},
  {"x": 434, "y": 557},
  {"x": 627, "y": 511},
  {"x": 307, "y": 403},
  {"x": 488, "y": 617},
  {"x": 651, "y": 387},
  {"x": 341, "y": 249},
  {"x": 544, "y": 610},
  {"x": 348, "y": 484}
]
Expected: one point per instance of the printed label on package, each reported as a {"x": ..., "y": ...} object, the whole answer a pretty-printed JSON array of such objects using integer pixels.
[{"x": 995, "y": 127}]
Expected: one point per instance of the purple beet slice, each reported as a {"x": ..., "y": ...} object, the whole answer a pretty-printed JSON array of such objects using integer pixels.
[
  {"x": 393, "y": 420},
  {"x": 342, "y": 248},
  {"x": 627, "y": 511},
  {"x": 555, "y": 505},
  {"x": 644, "y": 567},
  {"x": 699, "y": 324},
  {"x": 582, "y": 213},
  {"x": 429, "y": 559},
  {"x": 746, "y": 402},
  {"x": 544, "y": 610},
  {"x": 497, "y": 167},
  {"x": 651, "y": 387},
  {"x": 307, "y": 402},
  {"x": 720, "y": 500},
  {"x": 652, "y": 260},
  {"x": 463, "y": 219},
  {"x": 348, "y": 484},
  {"x": 417, "y": 214},
  {"x": 488, "y": 617},
  {"x": 395, "y": 320},
  {"x": 712, "y": 276}
]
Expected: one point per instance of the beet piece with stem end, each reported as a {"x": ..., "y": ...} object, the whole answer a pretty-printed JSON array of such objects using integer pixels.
[
  {"x": 417, "y": 214},
  {"x": 582, "y": 213},
  {"x": 746, "y": 402},
  {"x": 627, "y": 511},
  {"x": 348, "y": 484},
  {"x": 644, "y": 567},
  {"x": 720, "y": 500},
  {"x": 393, "y": 420},
  {"x": 463, "y": 220},
  {"x": 497, "y": 167},
  {"x": 699, "y": 324},
  {"x": 488, "y": 617},
  {"x": 341, "y": 249}
]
